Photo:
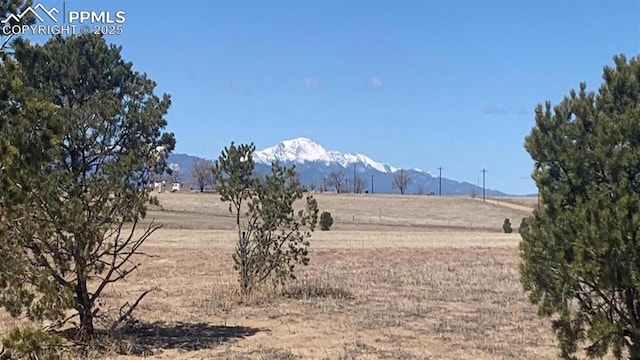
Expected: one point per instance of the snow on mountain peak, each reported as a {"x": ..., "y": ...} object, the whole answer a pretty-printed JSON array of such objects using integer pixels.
[{"x": 303, "y": 149}]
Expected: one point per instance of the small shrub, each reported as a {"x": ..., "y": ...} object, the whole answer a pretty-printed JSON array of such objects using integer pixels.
[
  {"x": 31, "y": 343},
  {"x": 153, "y": 200},
  {"x": 523, "y": 225},
  {"x": 507, "y": 226},
  {"x": 326, "y": 220},
  {"x": 274, "y": 239}
]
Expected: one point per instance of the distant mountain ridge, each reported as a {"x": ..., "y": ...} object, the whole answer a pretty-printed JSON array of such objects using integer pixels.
[{"x": 314, "y": 163}]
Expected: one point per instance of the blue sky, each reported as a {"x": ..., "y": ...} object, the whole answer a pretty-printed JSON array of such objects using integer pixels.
[{"x": 410, "y": 83}]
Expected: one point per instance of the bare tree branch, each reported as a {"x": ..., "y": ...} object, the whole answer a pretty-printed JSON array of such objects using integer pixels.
[
  {"x": 125, "y": 315},
  {"x": 202, "y": 174},
  {"x": 335, "y": 179},
  {"x": 401, "y": 181}
]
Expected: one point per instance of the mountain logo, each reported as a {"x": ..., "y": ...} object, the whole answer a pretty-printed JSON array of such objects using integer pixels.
[{"x": 33, "y": 10}]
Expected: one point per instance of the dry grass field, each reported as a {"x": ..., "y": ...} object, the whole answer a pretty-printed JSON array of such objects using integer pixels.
[
  {"x": 526, "y": 201},
  {"x": 397, "y": 277}
]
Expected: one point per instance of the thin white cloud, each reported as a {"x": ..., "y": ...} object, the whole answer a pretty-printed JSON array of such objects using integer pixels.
[
  {"x": 375, "y": 83},
  {"x": 496, "y": 110},
  {"x": 312, "y": 84},
  {"x": 236, "y": 88}
]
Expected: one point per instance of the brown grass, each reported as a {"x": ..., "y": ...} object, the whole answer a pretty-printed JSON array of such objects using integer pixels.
[
  {"x": 410, "y": 278},
  {"x": 352, "y": 212},
  {"x": 527, "y": 201},
  {"x": 453, "y": 303}
]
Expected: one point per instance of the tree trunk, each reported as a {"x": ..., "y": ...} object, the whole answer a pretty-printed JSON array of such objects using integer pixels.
[
  {"x": 85, "y": 330},
  {"x": 245, "y": 285}
]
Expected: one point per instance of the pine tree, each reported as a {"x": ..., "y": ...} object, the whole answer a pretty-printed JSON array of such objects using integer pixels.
[
  {"x": 83, "y": 132},
  {"x": 581, "y": 250},
  {"x": 272, "y": 236}
]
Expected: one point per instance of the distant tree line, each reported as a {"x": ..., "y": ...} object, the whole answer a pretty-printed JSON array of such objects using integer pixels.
[{"x": 337, "y": 181}]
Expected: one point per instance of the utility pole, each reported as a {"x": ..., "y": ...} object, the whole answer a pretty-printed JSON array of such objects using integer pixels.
[
  {"x": 354, "y": 177},
  {"x": 484, "y": 171},
  {"x": 372, "y": 184},
  {"x": 440, "y": 181}
]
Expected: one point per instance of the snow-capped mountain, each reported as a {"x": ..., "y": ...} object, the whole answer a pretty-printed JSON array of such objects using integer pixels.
[
  {"x": 301, "y": 150},
  {"x": 314, "y": 164}
]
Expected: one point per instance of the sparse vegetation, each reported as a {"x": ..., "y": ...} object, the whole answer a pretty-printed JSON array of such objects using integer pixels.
[
  {"x": 580, "y": 249},
  {"x": 445, "y": 275},
  {"x": 315, "y": 289},
  {"x": 326, "y": 220}
]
